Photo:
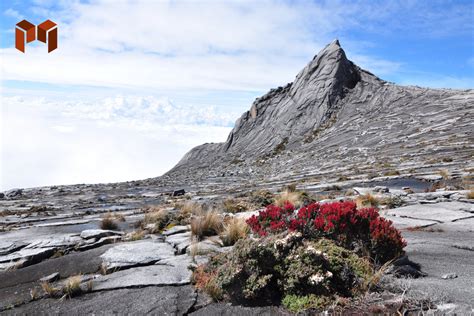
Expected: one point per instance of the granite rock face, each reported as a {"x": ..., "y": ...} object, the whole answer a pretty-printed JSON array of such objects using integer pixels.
[{"x": 335, "y": 112}]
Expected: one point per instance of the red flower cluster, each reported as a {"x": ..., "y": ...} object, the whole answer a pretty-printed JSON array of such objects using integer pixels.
[
  {"x": 272, "y": 219},
  {"x": 340, "y": 221}
]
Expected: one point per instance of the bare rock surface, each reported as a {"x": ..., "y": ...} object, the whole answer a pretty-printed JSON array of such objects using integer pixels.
[
  {"x": 437, "y": 212},
  {"x": 230, "y": 310},
  {"x": 138, "y": 253},
  {"x": 16, "y": 285},
  {"x": 148, "y": 300},
  {"x": 172, "y": 271}
]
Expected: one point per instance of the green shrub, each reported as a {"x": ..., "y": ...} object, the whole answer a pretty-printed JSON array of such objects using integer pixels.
[
  {"x": 265, "y": 271},
  {"x": 297, "y": 303}
]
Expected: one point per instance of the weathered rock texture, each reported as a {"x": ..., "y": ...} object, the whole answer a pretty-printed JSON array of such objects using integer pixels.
[{"x": 336, "y": 113}]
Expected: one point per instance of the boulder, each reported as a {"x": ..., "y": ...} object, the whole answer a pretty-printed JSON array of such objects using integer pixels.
[
  {"x": 50, "y": 278},
  {"x": 448, "y": 276}
]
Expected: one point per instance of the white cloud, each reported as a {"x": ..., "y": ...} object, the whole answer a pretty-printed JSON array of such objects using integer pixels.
[
  {"x": 48, "y": 142},
  {"x": 13, "y": 13},
  {"x": 231, "y": 45}
]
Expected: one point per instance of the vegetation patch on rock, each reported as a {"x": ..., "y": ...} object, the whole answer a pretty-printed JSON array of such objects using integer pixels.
[
  {"x": 361, "y": 230},
  {"x": 303, "y": 259}
]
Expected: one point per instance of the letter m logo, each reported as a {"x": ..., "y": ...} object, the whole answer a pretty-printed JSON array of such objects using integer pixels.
[{"x": 46, "y": 32}]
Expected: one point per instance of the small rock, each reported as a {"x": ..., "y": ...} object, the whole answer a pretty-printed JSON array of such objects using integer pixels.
[
  {"x": 203, "y": 248},
  {"x": 98, "y": 233},
  {"x": 14, "y": 193},
  {"x": 94, "y": 243},
  {"x": 179, "y": 192},
  {"x": 448, "y": 276},
  {"x": 431, "y": 177},
  {"x": 150, "y": 227},
  {"x": 381, "y": 189},
  {"x": 176, "y": 230},
  {"x": 50, "y": 278}
]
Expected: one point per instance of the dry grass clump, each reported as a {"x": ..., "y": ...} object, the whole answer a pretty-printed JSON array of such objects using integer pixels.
[
  {"x": 34, "y": 294},
  {"x": 206, "y": 282},
  {"x": 186, "y": 210},
  {"x": 108, "y": 222},
  {"x": 470, "y": 194},
  {"x": 157, "y": 216},
  {"x": 424, "y": 229},
  {"x": 206, "y": 224},
  {"x": 234, "y": 229},
  {"x": 119, "y": 217},
  {"x": 232, "y": 205},
  {"x": 392, "y": 202},
  {"x": 72, "y": 286},
  {"x": 50, "y": 290},
  {"x": 435, "y": 186},
  {"x": 392, "y": 173},
  {"x": 367, "y": 200},
  {"x": 343, "y": 178},
  {"x": 294, "y": 198},
  {"x": 350, "y": 192},
  {"x": 262, "y": 198},
  {"x": 291, "y": 187},
  {"x": 377, "y": 275},
  {"x": 444, "y": 173},
  {"x": 136, "y": 235}
]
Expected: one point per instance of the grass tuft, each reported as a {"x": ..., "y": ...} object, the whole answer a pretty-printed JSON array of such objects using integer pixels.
[
  {"x": 470, "y": 194},
  {"x": 206, "y": 224},
  {"x": 392, "y": 202},
  {"x": 72, "y": 286},
  {"x": 294, "y": 198},
  {"x": 367, "y": 200},
  {"x": 234, "y": 206},
  {"x": 444, "y": 173},
  {"x": 108, "y": 222},
  {"x": 185, "y": 212},
  {"x": 157, "y": 216},
  {"x": 34, "y": 294},
  {"x": 392, "y": 173},
  {"x": 136, "y": 235},
  {"x": 234, "y": 229},
  {"x": 49, "y": 289}
]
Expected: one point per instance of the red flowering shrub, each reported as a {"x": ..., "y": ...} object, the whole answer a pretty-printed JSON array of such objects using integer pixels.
[
  {"x": 272, "y": 219},
  {"x": 361, "y": 230}
]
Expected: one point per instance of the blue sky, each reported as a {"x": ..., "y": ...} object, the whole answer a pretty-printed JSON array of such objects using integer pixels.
[{"x": 148, "y": 80}]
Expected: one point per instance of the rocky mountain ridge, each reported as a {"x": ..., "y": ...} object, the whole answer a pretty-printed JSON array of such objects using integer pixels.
[{"x": 336, "y": 112}]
